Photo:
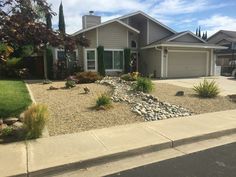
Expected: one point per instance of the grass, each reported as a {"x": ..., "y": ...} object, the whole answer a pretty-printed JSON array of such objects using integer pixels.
[{"x": 14, "y": 98}]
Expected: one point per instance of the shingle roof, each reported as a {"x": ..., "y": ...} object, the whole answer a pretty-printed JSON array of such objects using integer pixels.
[{"x": 229, "y": 33}]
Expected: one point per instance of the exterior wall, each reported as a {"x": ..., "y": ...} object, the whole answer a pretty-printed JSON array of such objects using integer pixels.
[
  {"x": 150, "y": 62},
  {"x": 133, "y": 37},
  {"x": 113, "y": 36},
  {"x": 142, "y": 27},
  {"x": 187, "y": 38},
  {"x": 157, "y": 32},
  {"x": 91, "y": 36}
]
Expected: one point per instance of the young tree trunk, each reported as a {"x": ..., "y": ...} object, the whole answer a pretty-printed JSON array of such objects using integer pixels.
[{"x": 45, "y": 63}]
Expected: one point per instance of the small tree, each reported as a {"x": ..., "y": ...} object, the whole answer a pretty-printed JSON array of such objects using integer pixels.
[
  {"x": 127, "y": 55},
  {"x": 199, "y": 32},
  {"x": 101, "y": 67},
  {"x": 61, "y": 24}
]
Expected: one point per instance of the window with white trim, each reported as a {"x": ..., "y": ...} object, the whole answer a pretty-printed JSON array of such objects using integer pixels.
[
  {"x": 91, "y": 61},
  {"x": 113, "y": 60}
]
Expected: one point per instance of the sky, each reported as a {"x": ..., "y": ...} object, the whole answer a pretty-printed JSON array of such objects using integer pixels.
[{"x": 180, "y": 15}]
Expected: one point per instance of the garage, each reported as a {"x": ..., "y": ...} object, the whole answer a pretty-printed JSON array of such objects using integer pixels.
[{"x": 187, "y": 64}]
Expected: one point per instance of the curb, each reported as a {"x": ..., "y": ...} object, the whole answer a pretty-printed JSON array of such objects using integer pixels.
[{"x": 128, "y": 153}]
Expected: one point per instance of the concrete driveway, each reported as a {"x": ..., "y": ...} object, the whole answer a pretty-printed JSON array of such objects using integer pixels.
[{"x": 227, "y": 84}]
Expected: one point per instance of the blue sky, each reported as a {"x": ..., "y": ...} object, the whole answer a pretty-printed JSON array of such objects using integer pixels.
[{"x": 181, "y": 15}]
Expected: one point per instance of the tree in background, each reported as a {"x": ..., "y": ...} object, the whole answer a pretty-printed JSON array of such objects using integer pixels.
[
  {"x": 200, "y": 34},
  {"x": 61, "y": 24}
]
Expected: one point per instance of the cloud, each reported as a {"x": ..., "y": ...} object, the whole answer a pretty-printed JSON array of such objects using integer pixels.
[
  {"x": 171, "y": 7},
  {"x": 163, "y": 10},
  {"x": 218, "y": 22}
]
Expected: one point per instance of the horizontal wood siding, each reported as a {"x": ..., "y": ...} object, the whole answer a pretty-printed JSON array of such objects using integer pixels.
[
  {"x": 91, "y": 36},
  {"x": 157, "y": 32},
  {"x": 113, "y": 36}
]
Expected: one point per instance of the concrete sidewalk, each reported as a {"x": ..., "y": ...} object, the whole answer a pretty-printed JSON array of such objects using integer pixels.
[{"x": 47, "y": 155}]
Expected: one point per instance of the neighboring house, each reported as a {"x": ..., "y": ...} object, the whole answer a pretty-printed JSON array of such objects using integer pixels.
[
  {"x": 156, "y": 49},
  {"x": 225, "y": 57}
]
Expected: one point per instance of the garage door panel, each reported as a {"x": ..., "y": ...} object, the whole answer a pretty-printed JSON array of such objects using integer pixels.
[{"x": 186, "y": 64}]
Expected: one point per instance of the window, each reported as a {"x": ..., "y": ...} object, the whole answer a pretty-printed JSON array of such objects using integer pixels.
[
  {"x": 108, "y": 61},
  {"x": 118, "y": 59},
  {"x": 113, "y": 60},
  {"x": 61, "y": 55},
  {"x": 133, "y": 44},
  {"x": 91, "y": 60}
]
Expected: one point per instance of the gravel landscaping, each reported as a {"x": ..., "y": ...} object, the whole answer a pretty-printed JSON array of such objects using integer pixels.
[
  {"x": 72, "y": 111},
  {"x": 143, "y": 104},
  {"x": 166, "y": 92}
]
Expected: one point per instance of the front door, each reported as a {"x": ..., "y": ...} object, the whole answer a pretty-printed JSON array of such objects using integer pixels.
[{"x": 134, "y": 61}]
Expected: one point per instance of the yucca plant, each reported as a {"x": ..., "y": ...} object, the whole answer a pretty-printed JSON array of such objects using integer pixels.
[
  {"x": 207, "y": 89},
  {"x": 144, "y": 85},
  {"x": 35, "y": 118}
]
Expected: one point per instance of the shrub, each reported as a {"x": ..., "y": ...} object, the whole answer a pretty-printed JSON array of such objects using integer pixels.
[
  {"x": 72, "y": 78},
  {"x": 103, "y": 101},
  {"x": 88, "y": 77},
  {"x": 207, "y": 89},
  {"x": 144, "y": 85},
  {"x": 34, "y": 120},
  {"x": 130, "y": 76},
  {"x": 70, "y": 84},
  {"x": 8, "y": 131}
]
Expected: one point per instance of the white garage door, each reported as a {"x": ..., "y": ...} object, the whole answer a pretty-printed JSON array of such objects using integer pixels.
[{"x": 187, "y": 64}]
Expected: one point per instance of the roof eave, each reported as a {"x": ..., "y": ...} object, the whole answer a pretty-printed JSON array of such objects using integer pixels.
[
  {"x": 149, "y": 17},
  {"x": 105, "y": 23},
  {"x": 185, "y": 45},
  {"x": 187, "y": 32}
]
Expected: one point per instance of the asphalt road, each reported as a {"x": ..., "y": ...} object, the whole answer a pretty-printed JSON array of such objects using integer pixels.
[{"x": 215, "y": 162}]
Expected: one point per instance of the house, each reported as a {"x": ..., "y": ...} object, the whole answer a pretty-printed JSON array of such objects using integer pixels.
[
  {"x": 225, "y": 57},
  {"x": 156, "y": 49}
]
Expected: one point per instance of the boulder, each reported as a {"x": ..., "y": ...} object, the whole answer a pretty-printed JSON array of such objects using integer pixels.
[
  {"x": 10, "y": 120},
  {"x": 179, "y": 93},
  {"x": 1, "y": 121},
  {"x": 21, "y": 117},
  {"x": 17, "y": 125}
]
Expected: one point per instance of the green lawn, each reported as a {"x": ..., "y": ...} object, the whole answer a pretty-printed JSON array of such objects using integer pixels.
[{"x": 14, "y": 98}]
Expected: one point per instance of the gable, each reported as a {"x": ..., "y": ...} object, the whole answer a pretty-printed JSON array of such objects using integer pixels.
[
  {"x": 217, "y": 38},
  {"x": 157, "y": 32},
  {"x": 188, "y": 38},
  {"x": 224, "y": 42},
  {"x": 113, "y": 35}
]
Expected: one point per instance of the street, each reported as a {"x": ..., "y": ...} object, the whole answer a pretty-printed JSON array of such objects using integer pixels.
[{"x": 215, "y": 162}]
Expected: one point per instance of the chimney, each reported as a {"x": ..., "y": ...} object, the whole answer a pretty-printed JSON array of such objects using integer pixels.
[{"x": 90, "y": 20}]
